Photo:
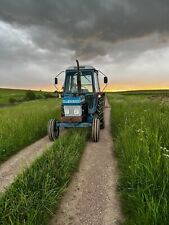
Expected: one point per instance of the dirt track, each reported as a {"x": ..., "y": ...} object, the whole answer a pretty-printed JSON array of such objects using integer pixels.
[
  {"x": 10, "y": 168},
  {"x": 91, "y": 198}
]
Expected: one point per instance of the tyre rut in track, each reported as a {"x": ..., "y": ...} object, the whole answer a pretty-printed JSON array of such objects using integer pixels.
[{"x": 15, "y": 164}]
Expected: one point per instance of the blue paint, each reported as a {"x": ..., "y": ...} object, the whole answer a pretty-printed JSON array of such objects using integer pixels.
[
  {"x": 74, "y": 125},
  {"x": 70, "y": 100}
]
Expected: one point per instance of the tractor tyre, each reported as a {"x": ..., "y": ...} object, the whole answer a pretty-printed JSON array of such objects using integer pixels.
[
  {"x": 96, "y": 130},
  {"x": 102, "y": 123},
  {"x": 53, "y": 130},
  {"x": 100, "y": 111}
]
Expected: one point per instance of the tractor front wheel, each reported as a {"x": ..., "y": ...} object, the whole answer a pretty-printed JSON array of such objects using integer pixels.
[
  {"x": 53, "y": 130},
  {"x": 96, "y": 129}
]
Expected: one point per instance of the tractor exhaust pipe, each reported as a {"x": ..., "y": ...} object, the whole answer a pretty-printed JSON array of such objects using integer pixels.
[{"x": 78, "y": 77}]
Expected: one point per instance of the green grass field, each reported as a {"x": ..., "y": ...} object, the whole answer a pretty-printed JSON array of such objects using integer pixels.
[
  {"x": 140, "y": 129},
  {"x": 25, "y": 123},
  {"x": 18, "y": 95},
  {"x": 140, "y": 124}
]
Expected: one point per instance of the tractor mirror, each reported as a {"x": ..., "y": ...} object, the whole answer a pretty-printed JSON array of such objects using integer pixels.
[
  {"x": 105, "y": 80},
  {"x": 56, "y": 80}
]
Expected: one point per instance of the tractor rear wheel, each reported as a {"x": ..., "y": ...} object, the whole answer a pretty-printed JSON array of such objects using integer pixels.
[
  {"x": 96, "y": 129},
  {"x": 53, "y": 130},
  {"x": 100, "y": 111}
]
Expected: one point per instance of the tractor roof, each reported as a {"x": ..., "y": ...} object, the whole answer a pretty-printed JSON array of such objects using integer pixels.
[{"x": 85, "y": 67}]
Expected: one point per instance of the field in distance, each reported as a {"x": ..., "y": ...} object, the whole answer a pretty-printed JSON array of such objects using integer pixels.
[
  {"x": 162, "y": 93},
  {"x": 11, "y": 96}
]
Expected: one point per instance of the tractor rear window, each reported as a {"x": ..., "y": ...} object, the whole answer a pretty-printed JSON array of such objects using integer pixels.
[{"x": 86, "y": 82}]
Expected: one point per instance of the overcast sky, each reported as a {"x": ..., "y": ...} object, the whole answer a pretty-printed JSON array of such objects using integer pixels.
[{"x": 127, "y": 39}]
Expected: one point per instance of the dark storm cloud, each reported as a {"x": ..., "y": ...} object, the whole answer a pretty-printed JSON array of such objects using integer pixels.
[
  {"x": 88, "y": 27},
  {"x": 23, "y": 63}
]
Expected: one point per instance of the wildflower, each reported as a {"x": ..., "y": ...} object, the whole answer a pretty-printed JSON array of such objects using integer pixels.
[
  {"x": 166, "y": 155},
  {"x": 164, "y": 149}
]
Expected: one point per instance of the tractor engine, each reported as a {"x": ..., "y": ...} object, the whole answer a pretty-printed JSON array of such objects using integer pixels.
[{"x": 74, "y": 109}]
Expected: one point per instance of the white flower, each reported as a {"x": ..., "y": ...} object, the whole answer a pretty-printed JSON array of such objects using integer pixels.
[{"x": 166, "y": 155}]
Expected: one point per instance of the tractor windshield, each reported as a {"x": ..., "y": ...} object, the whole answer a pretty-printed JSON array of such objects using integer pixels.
[{"x": 71, "y": 82}]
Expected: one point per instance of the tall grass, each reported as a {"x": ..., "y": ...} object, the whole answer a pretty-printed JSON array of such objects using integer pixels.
[
  {"x": 141, "y": 131},
  {"x": 23, "y": 124},
  {"x": 34, "y": 195}
]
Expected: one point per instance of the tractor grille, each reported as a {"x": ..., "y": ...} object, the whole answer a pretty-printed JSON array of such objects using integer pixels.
[{"x": 73, "y": 110}]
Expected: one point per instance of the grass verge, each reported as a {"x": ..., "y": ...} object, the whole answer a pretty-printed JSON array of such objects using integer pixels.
[
  {"x": 34, "y": 195},
  {"x": 141, "y": 131},
  {"x": 23, "y": 124}
]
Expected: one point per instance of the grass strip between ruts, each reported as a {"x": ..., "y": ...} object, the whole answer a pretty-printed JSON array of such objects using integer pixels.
[{"x": 35, "y": 194}]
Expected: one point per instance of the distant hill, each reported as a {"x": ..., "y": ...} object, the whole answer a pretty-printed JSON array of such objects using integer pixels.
[
  {"x": 9, "y": 96},
  {"x": 164, "y": 92}
]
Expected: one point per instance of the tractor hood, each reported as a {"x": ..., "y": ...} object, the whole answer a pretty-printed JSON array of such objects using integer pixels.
[{"x": 71, "y": 100}]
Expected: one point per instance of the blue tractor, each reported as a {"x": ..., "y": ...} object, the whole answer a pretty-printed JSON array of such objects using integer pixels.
[{"x": 82, "y": 102}]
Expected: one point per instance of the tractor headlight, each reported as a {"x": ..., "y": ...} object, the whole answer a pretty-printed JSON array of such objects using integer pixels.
[
  {"x": 76, "y": 111},
  {"x": 67, "y": 112}
]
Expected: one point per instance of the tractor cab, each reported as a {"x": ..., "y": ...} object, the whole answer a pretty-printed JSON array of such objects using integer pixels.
[
  {"x": 89, "y": 84},
  {"x": 82, "y": 101}
]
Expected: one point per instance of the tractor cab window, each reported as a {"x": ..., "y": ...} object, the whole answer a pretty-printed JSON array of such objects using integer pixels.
[
  {"x": 86, "y": 83},
  {"x": 71, "y": 82}
]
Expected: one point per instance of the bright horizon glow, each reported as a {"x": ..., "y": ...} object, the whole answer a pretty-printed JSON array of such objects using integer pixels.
[{"x": 110, "y": 88}]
